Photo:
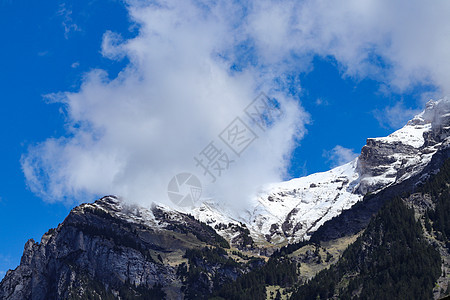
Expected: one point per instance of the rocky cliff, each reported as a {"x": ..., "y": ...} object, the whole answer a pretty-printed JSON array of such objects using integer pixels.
[
  {"x": 292, "y": 211},
  {"x": 111, "y": 250},
  {"x": 106, "y": 250}
]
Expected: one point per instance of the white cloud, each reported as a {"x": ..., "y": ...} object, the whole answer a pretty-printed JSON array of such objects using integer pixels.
[
  {"x": 399, "y": 42},
  {"x": 43, "y": 53},
  {"x": 129, "y": 135},
  {"x": 68, "y": 23},
  {"x": 339, "y": 155},
  {"x": 321, "y": 102},
  {"x": 395, "y": 116}
]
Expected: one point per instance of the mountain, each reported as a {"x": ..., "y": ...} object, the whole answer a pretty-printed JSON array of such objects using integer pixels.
[
  {"x": 291, "y": 211},
  {"x": 109, "y": 249},
  {"x": 361, "y": 230},
  {"x": 404, "y": 253}
]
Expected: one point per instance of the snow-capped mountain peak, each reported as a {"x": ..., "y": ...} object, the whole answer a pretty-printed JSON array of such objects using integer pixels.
[{"x": 292, "y": 210}]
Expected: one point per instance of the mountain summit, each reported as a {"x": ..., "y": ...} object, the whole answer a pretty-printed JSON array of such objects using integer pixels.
[
  {"x": 291, "y": 211},
  {"x": 113, "y": 250}
]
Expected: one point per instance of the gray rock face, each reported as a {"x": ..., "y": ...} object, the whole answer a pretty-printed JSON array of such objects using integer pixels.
[
  {"x": 103, "y": 248},
  {"x": 354, "y": 220},
  {"x": 385, "y": 161},
  {"x": 408, "y": 166},
  {"x": 292, "y": 211},
  {"x": 378, "y": 158}
]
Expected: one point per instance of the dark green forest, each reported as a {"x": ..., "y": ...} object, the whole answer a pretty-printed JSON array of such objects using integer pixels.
[{"x": 391, "y": 260}]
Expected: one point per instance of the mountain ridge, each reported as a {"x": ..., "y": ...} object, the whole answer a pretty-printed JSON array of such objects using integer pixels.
[
  {"x": 291, "y": 211},
  {"x": 111, "y": 249}
]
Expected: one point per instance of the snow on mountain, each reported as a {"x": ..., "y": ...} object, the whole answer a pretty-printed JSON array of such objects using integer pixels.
[
  {"x": 411, "y": 134},
  {"x": 299, "y": 206},
  {"x": 290, "y": 211}
]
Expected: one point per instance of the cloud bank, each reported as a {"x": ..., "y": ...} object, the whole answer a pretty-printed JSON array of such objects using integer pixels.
[
  {"x": 395, "y": 116},
  {"x": 339, "y": 155},
  {"x": 129, "y": 136},
  {"x": 195, "y": 66}
]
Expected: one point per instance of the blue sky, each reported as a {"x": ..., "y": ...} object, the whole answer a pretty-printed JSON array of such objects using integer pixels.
[
  {"x": 345, "y": 93},
  {"x": 37, "y": 59}
]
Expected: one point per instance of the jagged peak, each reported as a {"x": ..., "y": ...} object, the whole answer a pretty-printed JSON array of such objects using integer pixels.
[
  {"x": 434, "y": 113},
  {"x": 292, "y": 210},
  {"x": 110, "y": 202}
]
